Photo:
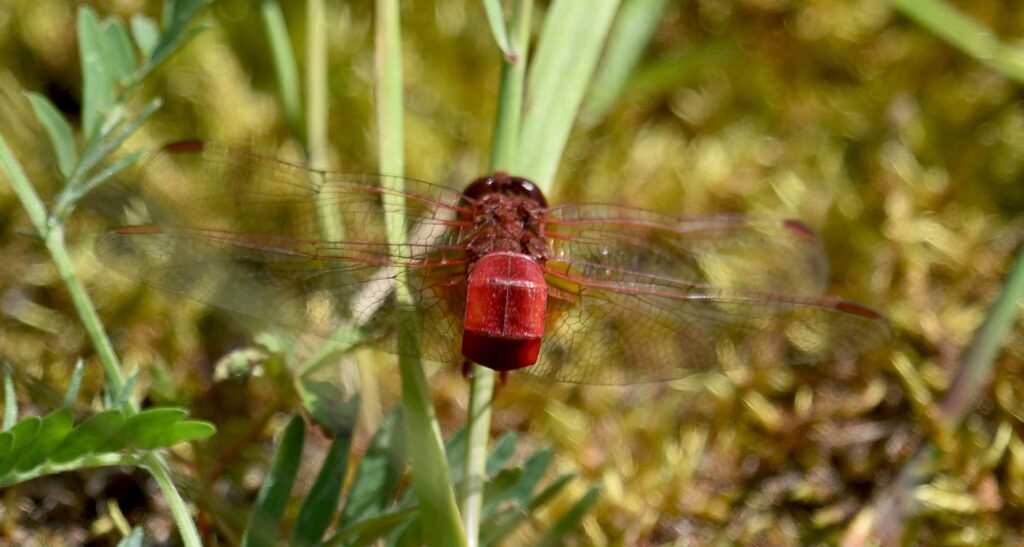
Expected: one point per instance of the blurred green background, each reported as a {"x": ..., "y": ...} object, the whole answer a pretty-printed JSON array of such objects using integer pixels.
[{"x": 906, "y": 154}]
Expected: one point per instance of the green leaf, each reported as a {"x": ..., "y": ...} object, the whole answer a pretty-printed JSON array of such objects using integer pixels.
[
  {"x": 133, "y": 539},
  {"x": 177, "y": 16},
  {"x": 569, "y": 46},
  {"x": 503, "y": 450},
  {"x": 6, "y": 438},
  {"x": 497, "y": 22},
  {"x": 500, "y": 488},
  {"x": 117, "y": 50},
  {"x": 163, "y": 426},
  {"x": 526, "y": 481},
  {"x": 74, "y": 385},
  {"x": 551, "y": 490},
  {"x": 500, "y": 524},
  {"x": 23, "y": 433},
  {"x": 111, "y": 170},
  {"x": 146, "y": 429},
  {"x": 533, "y": 472},
  {"x": 96, "y": 151},
  {"x": 90, "y": 437},
  {"x": 58, "y": 130},
  {"x": 52, "y": 431},
  {"x": 378, "y": 473},
  {"x": 186, "y": 431},
  {"x": 570, "y": 520},
  {"x": 319, "y": 506},
  {"x": 10, "y": 401},
  {"x": 326, "y": 404},
  {"x": 146, "y": 34},
  {"x": 273, "y": 495},
  {"x": 634, "y": 26},
  {"x": 97, "y": 82}
]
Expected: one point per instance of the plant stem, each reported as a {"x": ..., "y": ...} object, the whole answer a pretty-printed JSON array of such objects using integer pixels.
[
  {"x": 316, "y": 84},
  {"x": 179, "y": 510},
  {"x": 54, "y": 240},
  {"x": 431, "y": 476},
  {"x": 52, "y": 232},
  {"x": 53, "y": 237},
  {"x": 503, "y": 156},
  {"x": 284, "y": 63}
]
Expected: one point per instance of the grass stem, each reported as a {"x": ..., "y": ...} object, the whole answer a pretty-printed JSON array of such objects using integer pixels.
[{"x": 431, "y": 476}]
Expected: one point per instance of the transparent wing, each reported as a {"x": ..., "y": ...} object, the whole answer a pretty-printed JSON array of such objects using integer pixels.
[
  {"x": 635, "y": 296},
  {"x": 728, "y": 251},
  {"x": 297, "y": 247},
  {"x": 614, "y": 327}
]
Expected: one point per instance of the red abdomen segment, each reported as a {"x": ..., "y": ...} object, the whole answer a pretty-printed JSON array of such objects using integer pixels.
[{"x": 505, "y": 304}]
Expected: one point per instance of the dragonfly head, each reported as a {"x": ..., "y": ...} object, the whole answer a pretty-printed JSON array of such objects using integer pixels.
[{"x": 502, "y": 183}]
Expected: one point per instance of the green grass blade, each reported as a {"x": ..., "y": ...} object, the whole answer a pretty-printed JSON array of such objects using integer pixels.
[
  {"x": 570, "y": 520},
  {"x": 666, "y": 75},
  {"x": 965, "y": 34},
  {"x": 285, "y": 67},
  {"x": 71, "y": 395},
  {"x": 633, "y": 28},
  {"x": 570, "y": 44},
  {"x": 497, "y": 23},
  {"x": 273, "y": 496},
  {"x": 10, "y": 401},
  {"x": 368, "y": 530},
  {"x": 976, "y": 364},
  {"x": 320, "y": 504},
  {"x": 507, "y": 123},
  {"x": 58, "y": 130},
  {"x": 431, "y": 477}
]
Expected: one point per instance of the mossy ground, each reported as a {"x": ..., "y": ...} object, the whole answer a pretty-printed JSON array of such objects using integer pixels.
[{"x": 907, "y": 156}]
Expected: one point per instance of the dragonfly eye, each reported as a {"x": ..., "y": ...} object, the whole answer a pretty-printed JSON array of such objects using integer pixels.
[{"x": 502, "y": 183}]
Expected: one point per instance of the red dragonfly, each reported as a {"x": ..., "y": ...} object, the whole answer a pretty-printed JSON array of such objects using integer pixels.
[{"x": 586, "y": 293}]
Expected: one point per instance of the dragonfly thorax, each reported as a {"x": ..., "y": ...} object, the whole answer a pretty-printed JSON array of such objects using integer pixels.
[{"x": 506, "y": 223}]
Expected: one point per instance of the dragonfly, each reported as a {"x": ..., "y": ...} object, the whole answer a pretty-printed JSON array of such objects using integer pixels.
[{"x": 580, "y": 293}]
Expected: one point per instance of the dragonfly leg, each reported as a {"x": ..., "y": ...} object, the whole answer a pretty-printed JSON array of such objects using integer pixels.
[{"x": 467, "y": 369}]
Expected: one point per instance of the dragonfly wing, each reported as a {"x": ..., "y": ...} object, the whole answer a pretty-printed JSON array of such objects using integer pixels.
[
  {"x": 300, "y": 248},
  {"x": 728, "y": 251},
  {"x": 616, "y": 327}
]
